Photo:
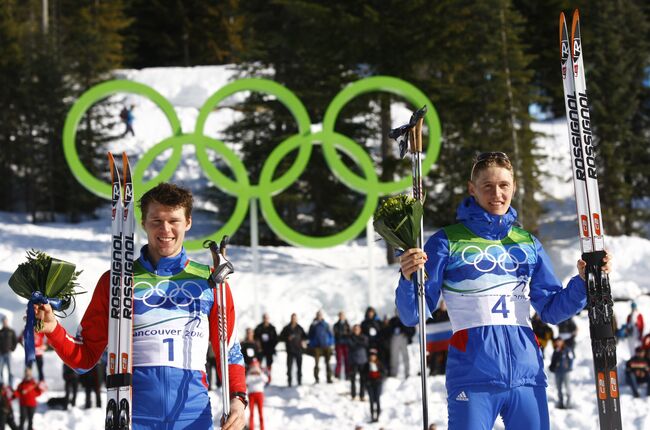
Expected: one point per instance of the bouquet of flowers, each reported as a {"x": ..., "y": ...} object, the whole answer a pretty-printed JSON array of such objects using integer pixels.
[
  {"x": 398, "y": 221},
  {"x": 41, "y": 280}
]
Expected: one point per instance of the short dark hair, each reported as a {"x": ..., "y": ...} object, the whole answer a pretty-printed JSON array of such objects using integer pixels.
[{"x": 168, "y": 195}]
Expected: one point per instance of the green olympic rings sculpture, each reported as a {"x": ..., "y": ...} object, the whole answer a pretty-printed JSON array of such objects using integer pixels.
[{"x": 240, "y": 187}]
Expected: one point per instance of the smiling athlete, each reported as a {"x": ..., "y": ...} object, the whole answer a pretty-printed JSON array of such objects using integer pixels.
[
  {"x": 490, "y": 272},
  {"x": 175, "y": 319}
]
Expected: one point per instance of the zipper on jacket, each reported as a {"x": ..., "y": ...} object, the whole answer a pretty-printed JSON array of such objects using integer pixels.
[{"x": 509, "y": 345}]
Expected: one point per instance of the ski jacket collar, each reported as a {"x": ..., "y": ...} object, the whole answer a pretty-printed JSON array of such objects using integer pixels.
[
  {"x": 483, "y": 223},
  {"x": 167, "y": 266}
]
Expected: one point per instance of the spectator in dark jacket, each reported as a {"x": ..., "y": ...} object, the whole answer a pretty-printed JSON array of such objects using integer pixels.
[
  {"x": 294, "y": 337},
  {"x": 267, "y": 338},
  {"x": 341, "y": 335},
  {"x": 561, "y": 365},
  {"x": 568, "y": 331},
  {"x": 371, "y": 327},
  {"x": 71, "y": 380},
  {"x": 358, "y": 344},
  {"x": 637, "y": 371},
  {"x": 250, "y": 347},
  {"x": 321, "y": 340},
  {"x": 400, "y": 338},
  {"x": 375, "y": 376},
  {"x": 92, "y": 383},
  {"x": 8, "y": 342}
]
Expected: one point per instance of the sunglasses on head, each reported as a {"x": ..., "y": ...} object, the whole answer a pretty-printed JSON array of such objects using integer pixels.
[
  {"x": 485, "y": 156},
  {"x": 491, "y": 155}
]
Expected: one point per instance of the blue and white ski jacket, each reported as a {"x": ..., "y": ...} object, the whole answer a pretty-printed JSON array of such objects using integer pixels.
[
  {"x": 174, "y": 322},
  {"x": 489, "y": 272}
]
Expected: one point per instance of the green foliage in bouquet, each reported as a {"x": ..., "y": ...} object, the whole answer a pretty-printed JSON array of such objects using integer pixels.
[
  {"x": 398, "y": 221},
  {"x": 53, "y": 278}
]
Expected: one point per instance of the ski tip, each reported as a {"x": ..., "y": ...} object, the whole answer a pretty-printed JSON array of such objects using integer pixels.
[
  {"x": 111, "y": 166},
  {"x": 575, "y": 25},
  {"x": 126, "y": 167}
]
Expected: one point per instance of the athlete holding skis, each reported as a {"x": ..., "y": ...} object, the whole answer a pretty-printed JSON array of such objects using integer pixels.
[
  {"x": 490, "y": 272},
  {"x": 175, "y": 317}
]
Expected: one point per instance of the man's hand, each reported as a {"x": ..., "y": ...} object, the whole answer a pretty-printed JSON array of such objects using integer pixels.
[
  {"x": 411, "y": 261},
  {"x": 45, "y": 314},
  {"x": 236, "y": 420},
  {"x": 607, "y": 266}
]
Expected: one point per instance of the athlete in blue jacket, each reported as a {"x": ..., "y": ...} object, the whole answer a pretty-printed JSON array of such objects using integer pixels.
[{"x": 490, "y": 272}]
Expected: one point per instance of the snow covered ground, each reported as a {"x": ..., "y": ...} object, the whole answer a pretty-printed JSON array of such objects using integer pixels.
[{"x": 306, "y": 280}]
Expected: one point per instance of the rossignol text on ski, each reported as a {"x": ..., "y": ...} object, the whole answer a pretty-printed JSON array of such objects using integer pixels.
[
  {"x": 120, "y": 318},
  {"x": 585, "y": 180}
]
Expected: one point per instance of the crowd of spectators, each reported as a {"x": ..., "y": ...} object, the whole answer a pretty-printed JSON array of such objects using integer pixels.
[{"x": 363, "y": 353}]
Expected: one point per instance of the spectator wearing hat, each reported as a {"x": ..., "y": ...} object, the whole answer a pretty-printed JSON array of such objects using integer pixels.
[
  {"x": 256, "y": 379},
  {"x": 375, "y": 375}
]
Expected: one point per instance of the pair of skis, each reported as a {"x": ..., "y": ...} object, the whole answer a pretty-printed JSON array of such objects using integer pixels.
[
  {"x": 585, "y": 181},
  {"x": 120, "y": 313}
]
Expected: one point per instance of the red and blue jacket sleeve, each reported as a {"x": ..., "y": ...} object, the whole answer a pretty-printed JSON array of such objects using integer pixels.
[
  {"x": 236, "y": 369},
  {"x": 83, "y": 351}
]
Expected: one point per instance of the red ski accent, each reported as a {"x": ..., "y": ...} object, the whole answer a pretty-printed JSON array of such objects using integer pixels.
[
  {"x": 596, "y": 224},
  {"x": 459, "y": 340},
  {"x": 584, "y": 222}
]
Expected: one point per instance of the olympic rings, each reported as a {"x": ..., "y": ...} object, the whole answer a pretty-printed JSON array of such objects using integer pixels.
[
  {"x": 155, "y": 296},
  {"x": 240, "y": 187},
  {"x": 507, "y": 259}
]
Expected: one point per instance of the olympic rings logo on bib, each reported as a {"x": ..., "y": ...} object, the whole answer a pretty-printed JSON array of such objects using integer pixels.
[
  {"x": 167, "y": 291},
  {"x": 486, "y": 260},
  {"x": 240, "y": 187}
]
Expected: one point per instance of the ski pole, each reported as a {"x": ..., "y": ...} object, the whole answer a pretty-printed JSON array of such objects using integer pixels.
[
  {"x": 411, "y": 141},
  {"x": 222, "y": 268}
]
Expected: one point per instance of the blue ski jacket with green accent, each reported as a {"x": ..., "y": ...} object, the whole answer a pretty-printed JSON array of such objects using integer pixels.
[{"x": 489, "y": 272}]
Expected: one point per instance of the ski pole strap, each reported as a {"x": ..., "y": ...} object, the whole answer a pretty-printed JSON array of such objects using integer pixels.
[
  {"x": 402, "y": 134},
  {"x": 221, "y": 269},
  {"x": 119, "y": 380},
  {"x": 37, "y": 298}
]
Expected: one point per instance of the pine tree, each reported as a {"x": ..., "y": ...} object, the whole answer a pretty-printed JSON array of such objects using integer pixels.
[
  {"x": 481, "y": 88},
  {"x": 303, "y": 44},
  {"x": 11, "y": 56},
  {"x": 184, "y": 32}
]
